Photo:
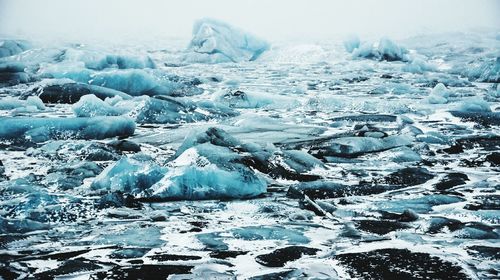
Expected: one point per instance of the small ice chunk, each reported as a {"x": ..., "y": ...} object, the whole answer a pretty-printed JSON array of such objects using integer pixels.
[{"x": 91, "y": 106}]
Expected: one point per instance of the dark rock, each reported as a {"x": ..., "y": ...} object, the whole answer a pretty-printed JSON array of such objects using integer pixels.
[
  {"x": 409, "y": 176},
  {"x": 325, "y": 189},
  {"x": 148, "y": 271},
  {"x": 279, "y": 257},
  {"x": 452, "y": 180},
  {"x": 226, "y": 254},
  {"x": 399, "y": 264},
  {"x": 125, "y": 146},
  {"x": 171, "y": 257},
  {"x": 485, "y": 202},
  {"x": 72, "y": 92},
  {"x": 366, "y": 118},
  {"x": 380, "y": 227},
  {"x": 483, "y": 118},
  {"x": 408, "y": 215},
  {"x": 484, "y": 252},
  {"x": 117, "y": 199},
  {"x": 69, "y": 267}
]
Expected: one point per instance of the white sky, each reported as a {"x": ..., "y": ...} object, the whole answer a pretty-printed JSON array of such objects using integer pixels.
[{"x": 271, "y": 19}]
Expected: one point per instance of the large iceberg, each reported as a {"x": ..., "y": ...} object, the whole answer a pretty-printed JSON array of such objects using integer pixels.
[
  {"x": 385, "y": 49},
  {"x": 43, "y": 129},
  {"x": 129, "y": 175},
  {"x": 215, "y": 41},
  {"x": 208, "y": 172}
]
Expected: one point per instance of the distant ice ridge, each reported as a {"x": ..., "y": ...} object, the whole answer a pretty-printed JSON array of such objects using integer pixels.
[{"x": 215, "y": 42}]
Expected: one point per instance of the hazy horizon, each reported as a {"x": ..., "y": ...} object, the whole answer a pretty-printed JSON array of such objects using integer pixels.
[{"x": 272, "y": 20}]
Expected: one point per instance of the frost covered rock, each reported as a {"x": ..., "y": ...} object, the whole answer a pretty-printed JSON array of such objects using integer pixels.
[
  {"x": 208, "y": 172},
  {"x": 129, "y": 175},
  {"x": 12, "y": 47},
  {"x": 215, "y": 41},
  {"x": 42, "y": 129}
]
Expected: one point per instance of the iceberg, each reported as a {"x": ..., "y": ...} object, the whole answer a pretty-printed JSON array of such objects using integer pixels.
[
  {"x": 207, "y": 171},
  {"x": 487, "y": 71},
  {"x": 91, "y": 106},
  {"x": 215, "y": 41},
  {"x": 9, "y": 103},
  {"x": 384, "y": 50},
  {"x": 352, "y": 43},
  {"x": 439, "y": 95},
  {"x": 42, "y": 129},
  {"x": 12, "y": 47},
  {"x": 129, "y": 175}
]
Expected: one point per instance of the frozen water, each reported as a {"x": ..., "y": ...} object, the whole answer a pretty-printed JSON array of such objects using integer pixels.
[
  {"x": 12, "y": 47},
  {"x": 122, "y": 161},
  {"x": 207, "y": 172},
  {"x": 215, "y": 41},
  {"x": 43, "y": 129},
  {"x": 129, "y": 175}
]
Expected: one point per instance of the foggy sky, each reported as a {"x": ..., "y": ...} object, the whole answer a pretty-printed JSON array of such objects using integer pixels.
[{"x": 271, "y": 19}]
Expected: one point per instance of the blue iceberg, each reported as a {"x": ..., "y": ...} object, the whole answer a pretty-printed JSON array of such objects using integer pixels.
[{"x": 215, "y": 41}]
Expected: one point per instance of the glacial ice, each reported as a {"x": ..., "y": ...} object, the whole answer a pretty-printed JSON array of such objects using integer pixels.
[
  {"x": 439, "y": 95},
  {"x": 99, "y": 60},
  {"x": 91, "y": 106},
  {"x": 240, "y": 99},
  {"x": 130, "y": 81},
  {"x": 129, "y": 175},
  {"x": 42, "y": 129},
  {"x": 32, "y": 102},
  {"x": 474, "y": 104},
  {"x": 215, "y": 41},
  {"x": 12, "y": 47},
  {"x": 207, "y": 171},
  {"x": 487, "y": 71},
  {"x": 351, "y": 43},
  {"x": 384, "y": 50}
]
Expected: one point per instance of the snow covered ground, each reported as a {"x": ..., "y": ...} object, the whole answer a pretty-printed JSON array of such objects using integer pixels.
[{"x": 239, "y": 158}]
